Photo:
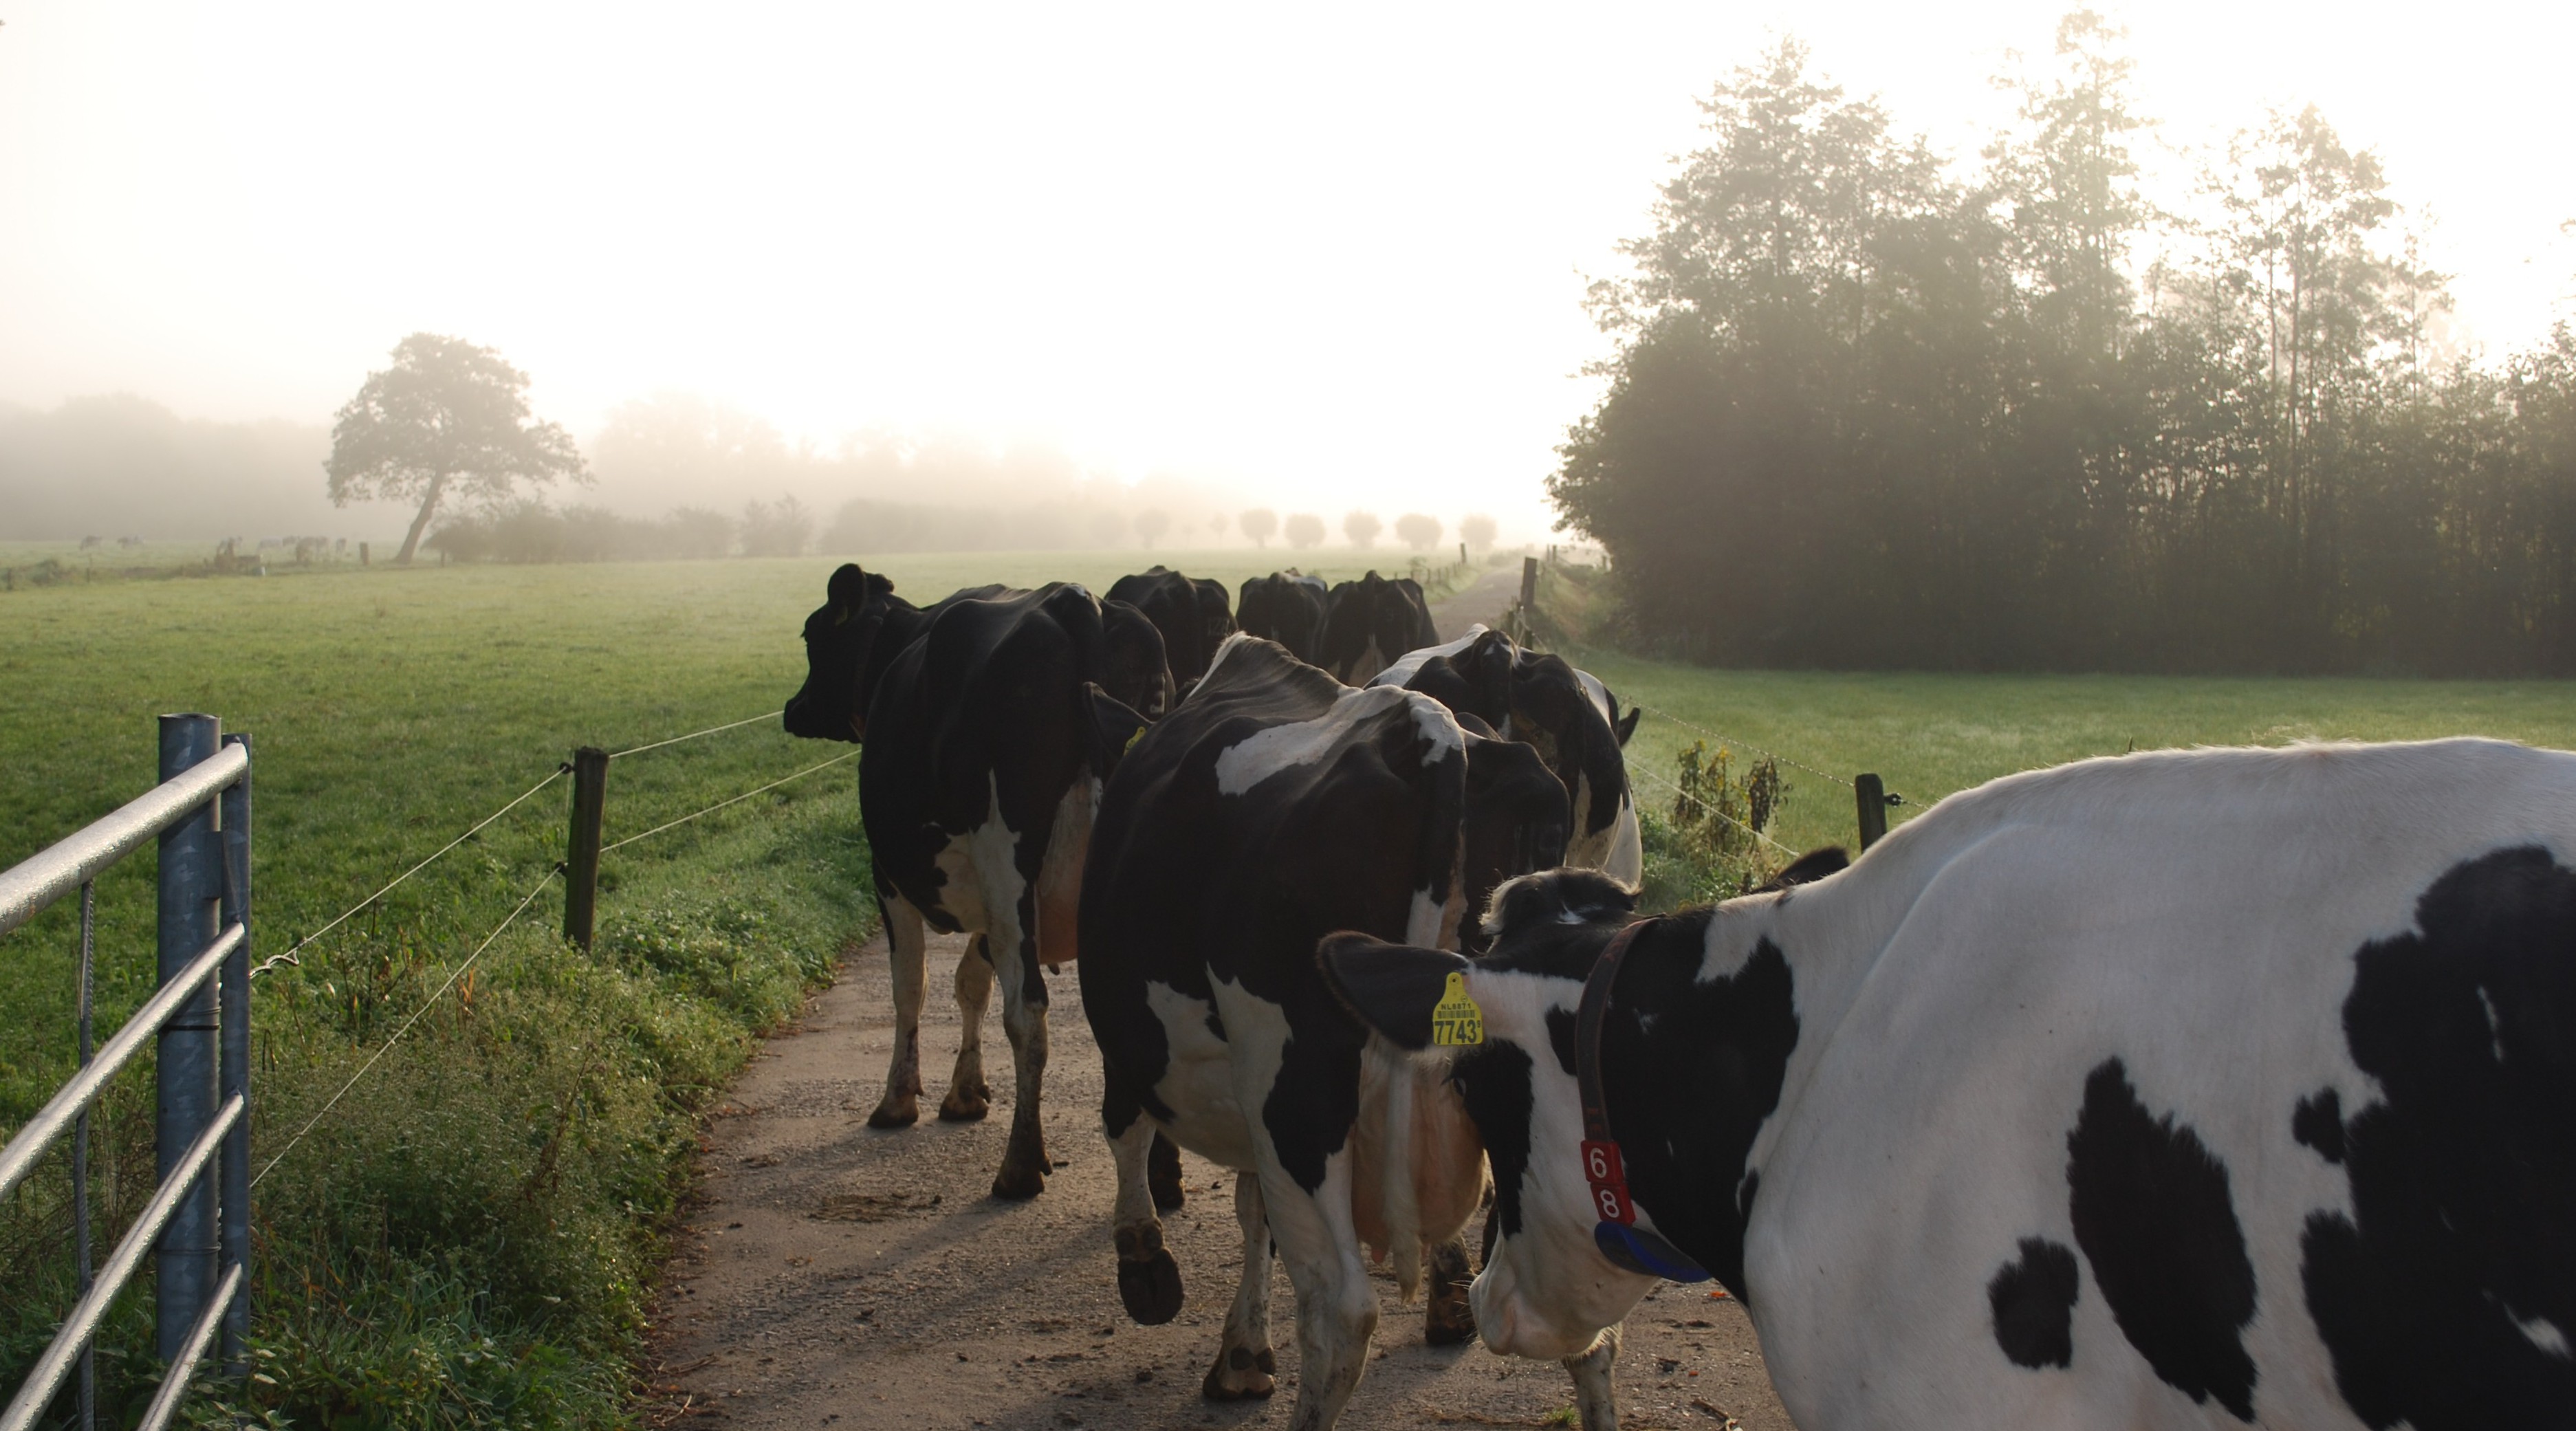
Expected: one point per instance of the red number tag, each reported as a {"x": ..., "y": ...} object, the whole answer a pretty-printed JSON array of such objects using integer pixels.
[{"x": 1608, "y": 1174}]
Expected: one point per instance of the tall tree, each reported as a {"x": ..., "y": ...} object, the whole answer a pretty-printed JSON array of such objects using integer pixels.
[
  {"x": 1151, "y": 523},
  {"x": 1362, "y": 528},
  {"x": 1258, "y": 524},
  {"x": 1303, "y": 530},
  {"x": 1417, "y": 530},
  {"x": 1478, "y": 529},
  {"x": 448, "y": 416}
]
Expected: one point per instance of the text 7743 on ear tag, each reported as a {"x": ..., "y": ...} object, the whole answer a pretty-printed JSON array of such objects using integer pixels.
[{"x": 1456, "y": 1021}]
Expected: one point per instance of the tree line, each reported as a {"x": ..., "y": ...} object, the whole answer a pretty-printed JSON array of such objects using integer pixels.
[{"x": 1869, "y": 411}]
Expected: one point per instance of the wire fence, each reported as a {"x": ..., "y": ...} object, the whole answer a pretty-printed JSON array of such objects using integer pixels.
[
  {"x": 290, "y": 955},
  {"x": 1713, "y": 810}
]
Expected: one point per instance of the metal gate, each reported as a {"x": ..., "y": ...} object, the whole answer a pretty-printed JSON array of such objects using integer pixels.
[{"x": 197, "y": 1225}]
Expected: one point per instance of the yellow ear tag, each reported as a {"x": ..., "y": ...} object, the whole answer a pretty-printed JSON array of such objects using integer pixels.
[
  {"x": 1456, "y": 1021},
  {"x": 1131, "y": 740}
]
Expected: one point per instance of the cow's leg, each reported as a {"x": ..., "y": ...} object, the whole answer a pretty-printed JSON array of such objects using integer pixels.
[
  {"x": 1447, "y": 1319},
  {"x": 1024, "y": 1006},
  {"x": 1245, "y": 1367},
  {"x": 1163, "y": 1174},
  {"x": 969, "y": 1097},
  {"x": 1149, "y": 1281},
  {"x": 1593, "y": 1398},
  {"x": 1336, "y": 1307},
  {"x": 905, "y": 951}
]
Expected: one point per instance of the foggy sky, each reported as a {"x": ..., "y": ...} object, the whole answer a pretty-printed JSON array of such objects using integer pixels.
[{"x": 1333, "y": 255}]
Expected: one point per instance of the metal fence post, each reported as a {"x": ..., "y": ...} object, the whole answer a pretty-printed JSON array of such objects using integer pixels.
[
  {"x": 1870, "y": 794},
  {"x": 191, "y": 886},
  {"x": 581, "y": 857},
  {"x": 235, "y": 981}
]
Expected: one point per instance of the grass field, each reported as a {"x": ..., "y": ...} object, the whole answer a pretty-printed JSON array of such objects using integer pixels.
[{"x": 468, "y": 1237}]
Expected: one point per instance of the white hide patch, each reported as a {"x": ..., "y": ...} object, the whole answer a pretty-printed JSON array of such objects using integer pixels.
[
  {"x": 1060, "y": 873},
  {"x": 1198, "y": 1080},
  {"x": 1411, "y": 662},
  {"x": 979, "y": 874},
  {"x": 1265, "y": 753},
  {"x": 2544, "y": 1334}
]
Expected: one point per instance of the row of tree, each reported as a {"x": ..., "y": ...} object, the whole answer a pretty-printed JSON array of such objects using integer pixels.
[
  {"x": 1867, "y": 411},
  {"x": 447, "y": 428}
]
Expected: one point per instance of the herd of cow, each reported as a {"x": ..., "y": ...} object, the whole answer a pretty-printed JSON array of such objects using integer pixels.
[{"x": 2177, "y": 1089}]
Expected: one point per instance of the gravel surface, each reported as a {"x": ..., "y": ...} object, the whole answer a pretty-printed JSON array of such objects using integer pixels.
[{"x": 834, "y": 1275}]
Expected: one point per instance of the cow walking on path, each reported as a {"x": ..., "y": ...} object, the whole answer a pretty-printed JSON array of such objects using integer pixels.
[
  {"x": 987, "y": 724},
  {"x": 1274, "y": 806},
  {"x": 2191, "y": 1089}
]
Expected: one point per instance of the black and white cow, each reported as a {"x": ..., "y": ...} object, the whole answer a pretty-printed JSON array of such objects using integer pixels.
[
  {"x": 987, "y": 723},
  {"x": 1370, "y": 622},
  {"x": 1571, "y": 718},
  {"x": 2192, "y": 1089},
  {"x": 1272, "y": 807},
  {"x": 1193, "y": 616},
  {"x": 1288, "y": 608}
]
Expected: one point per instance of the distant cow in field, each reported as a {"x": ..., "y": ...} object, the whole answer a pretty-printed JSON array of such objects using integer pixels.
[
  {"x": 1569, "y": 716},
  {"x": 2192, "y": 1089},
  {"x": 1287, "y": 608},
  {"x": 1272, "y": 807},
  {"x": 1370, "y": 622},
  {"x": 1192, "y": 615},
  {"x": 988, "y": 722}
]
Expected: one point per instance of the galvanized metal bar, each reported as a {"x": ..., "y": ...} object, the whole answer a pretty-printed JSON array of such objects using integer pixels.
[
  {"x": 60, "y": 1111},
  {"x": 174, "y": 1382},
  {"x": 29, "y": 886},
  {"x": 82, "y": 1324},
  {"x": 88, "y": 1411},
  {"x": 234, "y": 1185},
  {"x": 192, "y": 883}
]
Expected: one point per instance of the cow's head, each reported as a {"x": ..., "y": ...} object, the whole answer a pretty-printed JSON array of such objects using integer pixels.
[
  {"x": 839, "y": 638},
  {"x": 1686, "y": 1048},
  {"x": 1135, "y": 670}
]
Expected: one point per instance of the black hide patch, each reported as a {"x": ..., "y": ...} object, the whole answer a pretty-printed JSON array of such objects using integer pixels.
[
  {"x": 2458, "y": 1259},
  {"x": 1493, "y": 1081},
  {"x": 2318, "y": 1123},
  {"x": 1690, "y": 1071},
  {"x": 2034, "y": 1305},
  {"x": 2154, "y": 1216}
]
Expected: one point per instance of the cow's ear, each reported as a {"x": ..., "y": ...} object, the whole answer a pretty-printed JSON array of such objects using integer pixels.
[
  {"x": 1626, "y": 725},
  {"x": 1808, "y": 868},
  {"x": 1391, "y": 988},
  {"x": 848, "y": 589},
  {"x": 1114, "y": 728}
]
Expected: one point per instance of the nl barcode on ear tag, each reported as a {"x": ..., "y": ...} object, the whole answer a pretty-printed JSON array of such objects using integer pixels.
[{"x": 1455, "y": 1020}]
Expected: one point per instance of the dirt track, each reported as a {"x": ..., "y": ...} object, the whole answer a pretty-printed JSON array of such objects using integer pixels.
[{"x": 835, "y": 1275}]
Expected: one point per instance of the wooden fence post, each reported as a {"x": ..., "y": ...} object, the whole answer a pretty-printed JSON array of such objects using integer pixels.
[
  {"x": 581, "y": 858},
  {"x": 1870, "y": 793},
  {"x": 1462, "y": 554}
]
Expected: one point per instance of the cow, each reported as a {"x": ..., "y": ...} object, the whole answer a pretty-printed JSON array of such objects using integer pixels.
[
  {"x": 1270, "y": 808},
  {"x": 1570, "y": 716},
  {"x": 1288, "y": 608},
  {"x": 987, "y": 723},
  {"x": 1192, "y": 615},
  {"x": 1370, "y": 622},
  {"x": 2189, "y": 1089}
]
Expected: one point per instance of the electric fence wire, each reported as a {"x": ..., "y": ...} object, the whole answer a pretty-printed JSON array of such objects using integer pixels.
[
  {"x": 426, "y": 1005},
  {"x": 693, "y": 735},
  {"x": 288, "y": 957},
  {"x": 1721, "y": 814},
  {"x": 1746, "y": 744},
  {"x": 720, "y": 804}
]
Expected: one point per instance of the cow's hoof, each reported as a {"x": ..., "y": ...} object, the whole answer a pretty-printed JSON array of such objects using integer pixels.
[
  {"x": 1449, "y": 1319},
  {"x": 895, "y": 1115},
  {"x": 968, "y": 1109},
  {"x": 1241, "y": 1375},
  {"x": 1163, "y": 1175},
  {"x": 1149, "y": 1281},
  {"x": 1018, "y": 1184}
]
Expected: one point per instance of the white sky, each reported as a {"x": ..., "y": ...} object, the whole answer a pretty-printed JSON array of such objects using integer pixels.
[{"x": 1332, "y": 255}]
